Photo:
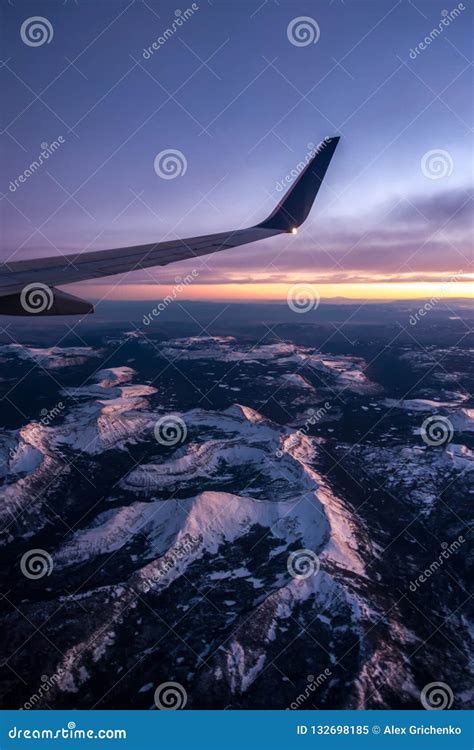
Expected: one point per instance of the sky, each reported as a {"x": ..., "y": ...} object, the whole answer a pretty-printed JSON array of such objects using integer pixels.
[{"x": 241, "y": 91}]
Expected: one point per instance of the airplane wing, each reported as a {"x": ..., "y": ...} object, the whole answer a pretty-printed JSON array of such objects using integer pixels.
[{"x": 28, "y": 287}]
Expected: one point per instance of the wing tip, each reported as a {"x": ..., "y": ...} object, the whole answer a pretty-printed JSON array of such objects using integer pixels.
[{"x": 296, "y": 204}]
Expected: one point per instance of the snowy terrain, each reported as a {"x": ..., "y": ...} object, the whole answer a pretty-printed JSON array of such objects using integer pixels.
[{"x": 172, "y": 553}]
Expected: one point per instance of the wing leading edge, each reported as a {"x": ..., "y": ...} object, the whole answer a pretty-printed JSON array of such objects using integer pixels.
[{"x": 29, "y": 286}]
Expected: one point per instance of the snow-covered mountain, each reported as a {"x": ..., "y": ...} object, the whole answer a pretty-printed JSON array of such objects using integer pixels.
[{"x": 245, "y": 520}]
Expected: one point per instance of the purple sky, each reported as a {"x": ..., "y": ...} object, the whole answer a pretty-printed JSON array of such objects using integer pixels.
[{"x": 241, "y": 102}]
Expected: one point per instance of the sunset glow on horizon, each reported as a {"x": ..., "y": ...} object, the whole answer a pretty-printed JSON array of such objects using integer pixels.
[
  {"x": 393, "y": 218},
  {"x": 279, "y": 292}
]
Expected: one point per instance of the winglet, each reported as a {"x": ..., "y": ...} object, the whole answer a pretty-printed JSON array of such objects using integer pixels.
[{"x": 295, "y": 206}]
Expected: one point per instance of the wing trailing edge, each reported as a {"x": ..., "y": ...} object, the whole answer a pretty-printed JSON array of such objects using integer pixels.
[{"x": 37, "y": 279}]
